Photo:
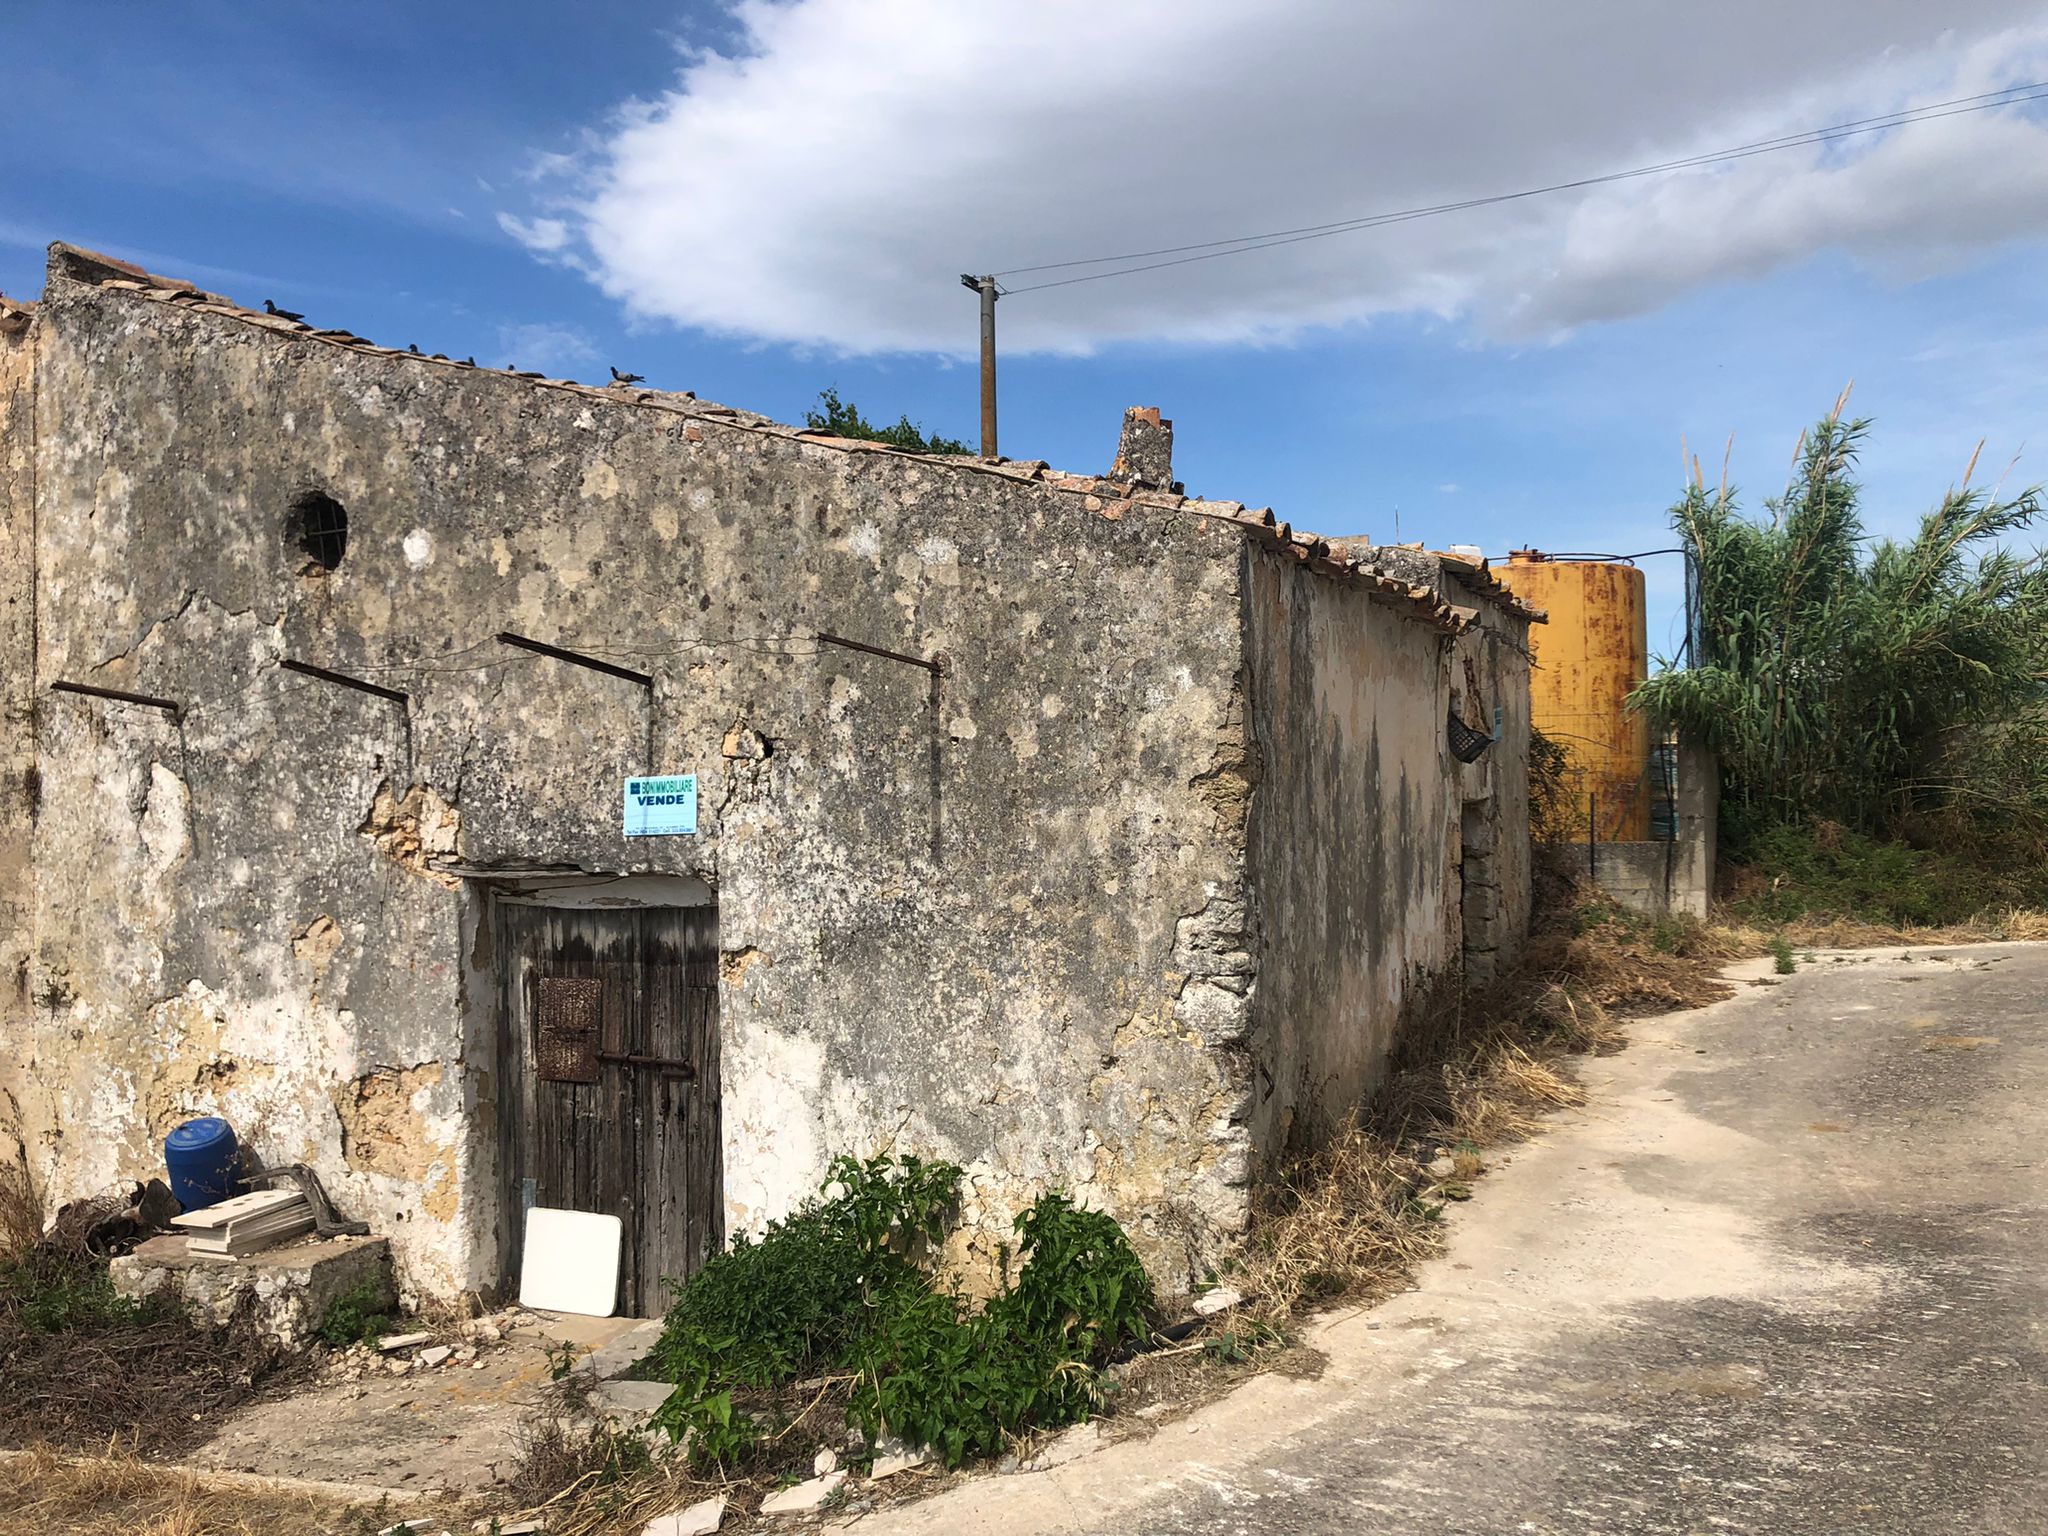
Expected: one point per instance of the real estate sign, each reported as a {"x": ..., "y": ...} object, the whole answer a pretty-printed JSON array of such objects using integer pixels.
[{"x": 662, "y": 807}]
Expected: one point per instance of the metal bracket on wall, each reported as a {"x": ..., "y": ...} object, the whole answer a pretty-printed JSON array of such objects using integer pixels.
[
  {"x": 576, "y": 658},
  {"x": 608, "y": 668},
  {"x": 592, "y": 664},
  {"x": 343, "y": 680},
  {"x": 935, "y": 665},
  {"x": 170, "y": 707},
  {"x": 358, "y": 685}
]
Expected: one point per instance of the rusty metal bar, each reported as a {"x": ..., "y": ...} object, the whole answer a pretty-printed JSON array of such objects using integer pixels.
[
  {"x": 664, "y": 1063},
  {"x": 934, "y": 667},
  {"x": 343, "y": 680},
  {"x": 121, "y": 696},
  {"x": 575, "y": 658}
]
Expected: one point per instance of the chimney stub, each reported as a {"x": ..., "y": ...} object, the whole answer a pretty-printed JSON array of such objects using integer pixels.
[{"x": 1144, "y": 455}]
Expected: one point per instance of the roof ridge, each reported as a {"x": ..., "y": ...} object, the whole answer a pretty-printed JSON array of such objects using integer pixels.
[{"x": 1098, "y": 494}]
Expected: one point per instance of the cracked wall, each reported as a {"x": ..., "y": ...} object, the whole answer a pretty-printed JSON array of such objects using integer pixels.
[{"x": 998, "y": 919}]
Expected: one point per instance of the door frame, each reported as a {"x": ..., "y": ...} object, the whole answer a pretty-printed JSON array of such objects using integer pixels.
[{"x": 491, "y": 976}]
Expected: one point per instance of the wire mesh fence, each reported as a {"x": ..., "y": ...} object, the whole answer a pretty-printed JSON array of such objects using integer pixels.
[{"x": 1606, "y": 797}]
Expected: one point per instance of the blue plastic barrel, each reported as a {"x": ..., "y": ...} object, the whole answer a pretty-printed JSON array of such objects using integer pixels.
[{"x": 204, "y": 1163}]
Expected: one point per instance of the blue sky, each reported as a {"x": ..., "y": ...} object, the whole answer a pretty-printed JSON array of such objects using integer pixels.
[{"x": 760, "y": 201}]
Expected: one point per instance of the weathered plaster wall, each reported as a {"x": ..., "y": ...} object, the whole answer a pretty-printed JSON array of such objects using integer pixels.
[
  {"x": 974, "y": 921},
  {"x": 1353, "y": 847},
  {"x": 19, "y": 787},
  {"x": 1489, "y": 690}
]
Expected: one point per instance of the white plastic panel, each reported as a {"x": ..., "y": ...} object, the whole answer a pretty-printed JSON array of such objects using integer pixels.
[{"x": 570, "y": 1263}]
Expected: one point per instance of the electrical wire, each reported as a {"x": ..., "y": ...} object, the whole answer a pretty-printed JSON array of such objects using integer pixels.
[{"x": 1210, "y": 250}]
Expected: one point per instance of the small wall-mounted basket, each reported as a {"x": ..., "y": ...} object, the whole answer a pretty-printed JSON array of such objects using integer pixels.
[{"x": 1467, "y": 745}]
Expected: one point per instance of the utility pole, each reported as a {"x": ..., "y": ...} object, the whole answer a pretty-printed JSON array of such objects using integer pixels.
[{"x": 986, "y": 287}]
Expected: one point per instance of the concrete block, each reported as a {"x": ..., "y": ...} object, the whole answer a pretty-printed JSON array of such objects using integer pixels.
[
  {"x": 283, "y": 1292},
  {"x": 630, "y": 1398},
  {"x": 1068, "y": 1445},
  {"x": 700, "y": 1519},
  {"x": 893, "y": 1456},
  {"x": 1222, "y": 1299},
  {"x": 622, "y": 1353},
  {"x": 804, "y": 1497}
]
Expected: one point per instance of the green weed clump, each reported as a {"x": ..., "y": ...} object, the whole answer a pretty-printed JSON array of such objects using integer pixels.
[
  {"x": 356, "y": 1316},
  {"x": 842, "y": 418},
  {"x": 1790, "y": 872},
  {"x": 57, "y": 1293},
  {"x": 841, "y": 1290}
]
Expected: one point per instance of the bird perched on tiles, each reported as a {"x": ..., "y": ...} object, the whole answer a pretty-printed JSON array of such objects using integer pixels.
[
  {"x": 270, "y": 308},
  {"x": 627, "y": 378},
  {"x": 413, "y": 347}
]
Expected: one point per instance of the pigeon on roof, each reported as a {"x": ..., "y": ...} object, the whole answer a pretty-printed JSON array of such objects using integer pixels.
[
  {"x": 627, "y": 378},
  {"x": 270, "y": 308}
]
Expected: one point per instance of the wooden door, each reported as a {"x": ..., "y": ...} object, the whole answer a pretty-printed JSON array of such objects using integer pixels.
[{"x": 609, "y": 1039}]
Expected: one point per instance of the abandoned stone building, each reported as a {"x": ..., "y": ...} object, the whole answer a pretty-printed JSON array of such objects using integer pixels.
[{"x": 1066, "y": 827}]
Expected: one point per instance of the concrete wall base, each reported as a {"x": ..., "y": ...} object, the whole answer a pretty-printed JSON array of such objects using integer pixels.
[{"x": 1659, "y": 878}]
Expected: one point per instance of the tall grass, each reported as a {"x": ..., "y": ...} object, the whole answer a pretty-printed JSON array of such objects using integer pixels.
[{"x": 1873, "y": 683}]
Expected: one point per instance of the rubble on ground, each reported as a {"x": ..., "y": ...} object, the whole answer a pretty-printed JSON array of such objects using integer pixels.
[{"x": 454, "y": 1346}]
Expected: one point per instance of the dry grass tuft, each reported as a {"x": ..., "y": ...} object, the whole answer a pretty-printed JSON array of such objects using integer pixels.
[
  {"x": 1993, "y": 925},
  {"x": 43, "y": 1492},
  {"x": 1474, "y": 1069},
  {"x": 578, "y": 1474},
  {"x": 1345, "y": 1224},
  {"x": 2023, "y": 923},
  {"x": 82, "y": 1366},
  {"x": 21, "y": 1201},
  {"x": 583, "y": 1482}
]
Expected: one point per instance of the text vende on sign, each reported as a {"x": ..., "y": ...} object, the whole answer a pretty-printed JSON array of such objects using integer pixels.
[{"x": 663, "y": 805}]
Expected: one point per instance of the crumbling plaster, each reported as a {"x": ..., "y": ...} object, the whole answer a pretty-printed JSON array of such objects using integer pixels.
[{"x": 959, "y": 914}]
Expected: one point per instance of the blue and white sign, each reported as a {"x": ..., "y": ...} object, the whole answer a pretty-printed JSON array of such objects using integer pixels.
[{"x": 662, "y": 807}]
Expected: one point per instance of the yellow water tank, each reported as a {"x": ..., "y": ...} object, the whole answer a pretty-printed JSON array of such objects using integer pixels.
[{"x": 1587, "y": 660}]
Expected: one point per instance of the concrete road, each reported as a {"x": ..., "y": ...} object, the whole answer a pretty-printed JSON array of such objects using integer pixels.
[{"x": 1787, "y": 1273}]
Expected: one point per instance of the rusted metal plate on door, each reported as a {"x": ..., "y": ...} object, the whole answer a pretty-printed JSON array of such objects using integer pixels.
[{"x": 566, "y": 1029}]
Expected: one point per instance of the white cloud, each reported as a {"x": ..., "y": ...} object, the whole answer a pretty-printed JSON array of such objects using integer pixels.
[
  {"x": 544, "y": 348},
  {"x": 825, "y": 181},
  {"x": 544, "y": 237}
]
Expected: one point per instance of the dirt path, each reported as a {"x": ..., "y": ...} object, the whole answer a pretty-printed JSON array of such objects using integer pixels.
[{"x": 1784, "y": 1274}]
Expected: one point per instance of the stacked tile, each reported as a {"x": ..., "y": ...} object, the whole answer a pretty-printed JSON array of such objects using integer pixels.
[{"x": 246, "y": 1224}]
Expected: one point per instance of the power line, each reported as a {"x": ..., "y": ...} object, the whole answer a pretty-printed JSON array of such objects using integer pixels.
[{"x": 1210, "y": 250}]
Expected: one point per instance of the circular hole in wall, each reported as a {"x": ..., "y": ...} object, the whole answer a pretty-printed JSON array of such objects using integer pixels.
[{"x": 316, "y": 530}]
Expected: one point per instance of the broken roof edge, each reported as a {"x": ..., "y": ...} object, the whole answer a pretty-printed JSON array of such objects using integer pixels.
[
  {"x": 1478, "y": 579},
  {"x": 15, "y": 315},
  {"x": 1435, "y": 567},
  {"x": 93, "y": 269}
]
